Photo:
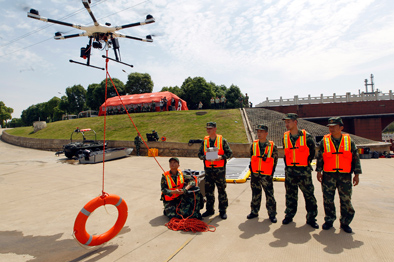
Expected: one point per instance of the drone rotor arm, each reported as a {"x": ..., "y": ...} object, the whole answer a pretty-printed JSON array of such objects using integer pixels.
[
  {"x": 87, "y": 6},
  {"x": 132, "y": 37},
  {"x": 62, "y": 37},
  {"x": 147, "y": 21},
  {"x": 53, "y": 21}
]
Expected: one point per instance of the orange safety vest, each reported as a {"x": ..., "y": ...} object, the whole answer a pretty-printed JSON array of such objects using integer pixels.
[
  {"x": 171, "y": 184},
  {"x": 337, "y": 161},
  {"x": 258, "y": 164},
  {"x": 219, "y": 145},
  {"x": 296, "y": 155}
]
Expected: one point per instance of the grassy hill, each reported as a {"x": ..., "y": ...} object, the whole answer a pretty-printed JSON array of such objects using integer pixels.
[{"x": 176, "y": 126}]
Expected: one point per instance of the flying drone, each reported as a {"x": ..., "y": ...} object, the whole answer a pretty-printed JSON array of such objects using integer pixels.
[{"x": 98, "y": 34}]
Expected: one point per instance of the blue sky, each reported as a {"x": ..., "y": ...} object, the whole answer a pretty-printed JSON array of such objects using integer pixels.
[{"x": 268, "y": 48}]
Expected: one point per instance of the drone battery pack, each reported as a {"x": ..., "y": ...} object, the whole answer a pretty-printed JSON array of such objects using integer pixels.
[
  {"x": 115, "y": 43},
  {"x": 85, "y": 52}
]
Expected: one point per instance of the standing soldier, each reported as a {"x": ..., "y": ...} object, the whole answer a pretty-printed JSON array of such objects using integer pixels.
[
  {"x": 212, "y": 101},
  {"x": 241, "y": 101},
  {"x": 246, "y": 101},
  {"x": 223, "y": 101},
  {"x": 137, "y": 143},
  {"x": 153, "y": 106},
  {"x": 338, "y": 159},
  {"x": 165, "y": 103},
  {"x": 215, "y": 170},
  {"x": 264, "y": 157},
  {"x": 299, "y": 150},
  {"x": 217, "y": 102}
]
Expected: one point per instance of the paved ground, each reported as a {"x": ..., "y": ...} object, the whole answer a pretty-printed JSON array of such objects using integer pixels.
[{"x": 42, "y": 194}]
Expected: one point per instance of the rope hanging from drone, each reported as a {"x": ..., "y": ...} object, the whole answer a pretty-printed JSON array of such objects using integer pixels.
[
  {"x": 185, "y": 224},
  {"x": 80, "y": 233},
  {"x": 105, "y": 113}
]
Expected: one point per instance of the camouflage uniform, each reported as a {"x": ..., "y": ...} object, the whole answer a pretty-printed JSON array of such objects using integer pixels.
[
  {"x": 137, "y": 143},
  {"x": 342, "y": 181},
  {"x": 298, "y": 176},
  {"x": 259, "y": 182},
  {"x": 216, "y": 176},
  {"x": 155, "y": 135},
  {"x": 185, "y": 203}
]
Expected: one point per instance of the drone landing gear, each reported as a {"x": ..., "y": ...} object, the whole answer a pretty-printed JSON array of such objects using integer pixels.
[
  {"x": 72, "y": 61},
  {"x": 117, "y": 61},
  {"x": 85, "y": 54}
]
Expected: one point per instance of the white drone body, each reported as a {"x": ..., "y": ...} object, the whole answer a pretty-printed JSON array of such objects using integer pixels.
[{"x": 100, "y": 33}]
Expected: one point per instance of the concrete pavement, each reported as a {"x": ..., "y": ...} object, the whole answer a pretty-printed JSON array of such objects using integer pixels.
[{"x": 42, "y": 194}]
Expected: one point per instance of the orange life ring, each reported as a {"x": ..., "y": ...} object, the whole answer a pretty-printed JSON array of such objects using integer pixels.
[
  {"x": 163, "y": 138},
  {"x": 80, "y": 222}
]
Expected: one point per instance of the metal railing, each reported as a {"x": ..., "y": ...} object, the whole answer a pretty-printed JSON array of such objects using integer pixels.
[{"x": 375, "y": 96}]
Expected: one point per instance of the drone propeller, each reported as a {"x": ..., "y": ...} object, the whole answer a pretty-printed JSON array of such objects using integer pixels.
[{"x": 24, "y": 7}]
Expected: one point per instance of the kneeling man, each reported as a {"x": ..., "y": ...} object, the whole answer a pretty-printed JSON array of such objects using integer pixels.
[{"x": 174, "y": 189}]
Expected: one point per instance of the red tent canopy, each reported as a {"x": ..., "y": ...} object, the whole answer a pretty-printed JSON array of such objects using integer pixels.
[{"x": 146, "y": 98}]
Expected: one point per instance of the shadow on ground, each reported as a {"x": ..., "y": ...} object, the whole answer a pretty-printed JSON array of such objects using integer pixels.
[
  {"x": 290, "y": 234},
  {"x": 336, "y": 243},
  {"x": 50, "y": 248},
  {"x": 252, "y": 227}
]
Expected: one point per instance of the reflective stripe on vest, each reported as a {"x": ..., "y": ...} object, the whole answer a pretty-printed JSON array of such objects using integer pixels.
[
  {"x": 337, "y": 161},
  {"x": 219, "y": 145},
  {"x": 258, "y": 164},
  {"x": 296, "y": 155},
  {"x": 171, "y": 184}
]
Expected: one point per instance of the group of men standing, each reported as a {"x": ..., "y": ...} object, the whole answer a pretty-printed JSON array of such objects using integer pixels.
[
  {"x": 218, "y": 102},
  {"x": 337, "y": 159}
]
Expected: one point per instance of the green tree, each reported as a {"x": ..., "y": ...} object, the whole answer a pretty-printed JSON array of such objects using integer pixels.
[
  {"x": 99, "y": 91},
  {"x": 195, "y": 90},
  {"x": 218, "y": 90},
  {"x": 139, "y": 83},
  {"x": 33, "y": 113},
  {"x": 15, "y": 122},
  {"x": 93, "y": 100},
  {"x": 63, "y": 105},
  {"x": 232, "y": 95},
  {"x": 175, "y": 90},
  {"x": 76, "y": 96},
  {"x": 5, "y": 113},
  {"x": 51, "y": 109}
]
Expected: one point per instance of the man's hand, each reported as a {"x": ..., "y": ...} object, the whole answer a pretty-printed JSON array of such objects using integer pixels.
[
  {"x": 177, "y": 191},
  {"x": 319, "y": 176},
  {"x": 356, "y": 180},
  {"x": 219, "y": 158}
]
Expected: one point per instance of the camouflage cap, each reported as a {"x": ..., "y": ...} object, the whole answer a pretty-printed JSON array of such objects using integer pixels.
[
  {"x": 174, "y": 158},
  {"x": 333, "y": 121},
  {"x": 211, "y": 125},
  {"x": 262, "y": 127},
  {"x": 291, "y": 116}
]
